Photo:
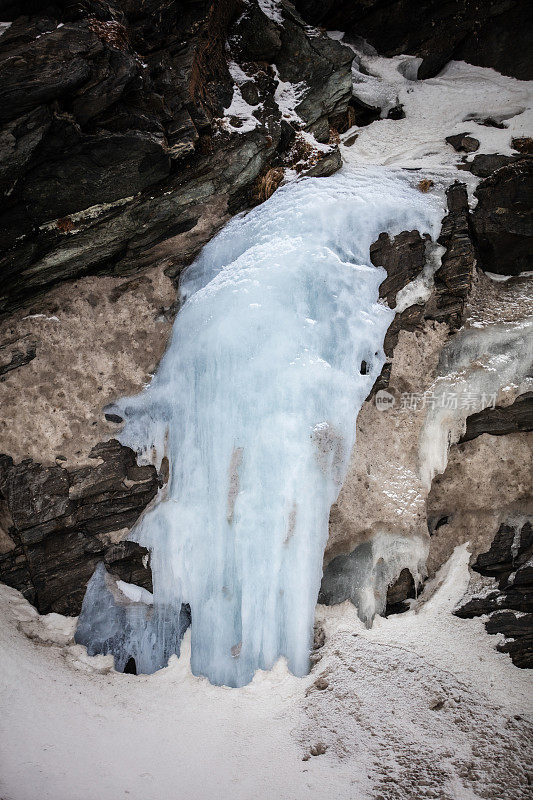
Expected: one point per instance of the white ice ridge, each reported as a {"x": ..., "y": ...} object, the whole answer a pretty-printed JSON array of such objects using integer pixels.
[{"x": 254, "y": 404}]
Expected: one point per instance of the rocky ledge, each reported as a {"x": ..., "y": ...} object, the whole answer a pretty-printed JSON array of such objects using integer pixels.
[{"x": 57, "y": 524}]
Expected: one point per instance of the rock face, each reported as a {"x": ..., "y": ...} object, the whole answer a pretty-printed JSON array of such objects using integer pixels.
[
  {"x": 503, "y": 219},
  {"x": 113, "y": 138},
  {"x": 491, "y": 34},
  {"x": 510, "y": 607},
  {"x": 59, "y": 523},
  {"x": 453, "y": 279}
]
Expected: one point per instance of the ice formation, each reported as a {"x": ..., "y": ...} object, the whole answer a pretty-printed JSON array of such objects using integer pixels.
[
  {"x": 254, "y": 404},
  {"x": 364, "y": 575},
  {"x": 121, "y": 619},
  {"x": 474, "y": 368}
]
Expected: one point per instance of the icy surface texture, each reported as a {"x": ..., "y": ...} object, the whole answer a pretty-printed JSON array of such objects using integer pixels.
[
  {"x": 475, "y": 368},
  {"x": 111, "y": 622},
  {"x": 364, "y": 575},
  {"x": 255, "y": 404}
]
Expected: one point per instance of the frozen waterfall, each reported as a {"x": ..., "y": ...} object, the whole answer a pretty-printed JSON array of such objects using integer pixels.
[{"x": 254, "y": 404}]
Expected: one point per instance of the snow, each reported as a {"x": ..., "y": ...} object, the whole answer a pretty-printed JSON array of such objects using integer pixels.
[
  {"x": 255, "y": 409},
  {"x": 136, "y": 593},
  {"x": 420, "y": 703},
  {"x": 239, "y": 109},
  {"x": 272, "y": 10},
  {"x": 434, "y": 109},
  {"x": 287, "y": 96}
]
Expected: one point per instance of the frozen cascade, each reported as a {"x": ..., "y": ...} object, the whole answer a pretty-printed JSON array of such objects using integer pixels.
[{"x": 254, "y": 404}]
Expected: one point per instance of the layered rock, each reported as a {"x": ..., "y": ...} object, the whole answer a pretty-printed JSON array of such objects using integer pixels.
[
  {"x": 113, "y": 137},
  {"x": 503, "y": 219},
  {"x": 509, "y": 606},
  {"x": 59, "y": 523}
]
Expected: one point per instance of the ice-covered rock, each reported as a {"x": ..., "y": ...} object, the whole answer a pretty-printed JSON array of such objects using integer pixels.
[{"x": 364, "y": 575}]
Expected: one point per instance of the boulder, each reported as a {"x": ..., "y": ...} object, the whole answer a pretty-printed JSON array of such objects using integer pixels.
[{"x": 463, "y": 143}]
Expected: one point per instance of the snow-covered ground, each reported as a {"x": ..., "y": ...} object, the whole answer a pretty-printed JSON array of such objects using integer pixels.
[{"x": 419, "y": 706}]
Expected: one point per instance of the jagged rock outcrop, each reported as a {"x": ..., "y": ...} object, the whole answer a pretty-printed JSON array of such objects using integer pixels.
[
  {"x": 491, "y": 34},
  {"x": 453, "y": 279},
  {"x": 501, "y": 420},
  {"x": 58, "y": 523},
  {"x": 510, "y": 606},
  {"x": 503, "y": 219},
  {"x": 112, "y": 131}
]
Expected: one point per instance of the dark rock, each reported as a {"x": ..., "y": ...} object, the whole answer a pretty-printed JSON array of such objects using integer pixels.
[
  {"x": 78, "y": 171},
  {"x": 520, "y": 650},
  {"x": 484, "y": 165},
  {"x": 511, "y": 605},
  {"x": 503, "y": 219},
  {"x": 257, "y": 38},
  {"x": 403, "y": 257},
  {"x": 510, "y": 548},
  {"x": 492, "y": 34},
  {"x": 401, "y": 590},
  {"x": 128, "y": 561},
  {"x": 321, "y": 63},
  {"x": 478, "y": 606},
  {"x": 61, "y": 520},
  {"x": 453, "y": 279},
  {"x": 510, "y": 624},
  {"x": 488, "y": 122},
  {"x": 502, "y": 419},
  {"x": 524, "y": 144},
  {"x": 18, "y": 140},
  {"x": 463, "y": 143},
  {"x": 396, "y": 112},
  {"x": 47, "y": 68},
  {"x": 107, "y": 154}
]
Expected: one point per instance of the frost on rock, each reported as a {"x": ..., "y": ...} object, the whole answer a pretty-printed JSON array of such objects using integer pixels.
[
  {"x": 475, "y": 369},
  {"x": 254, "y": 404},
  {"x": 364, "y": 575}
]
